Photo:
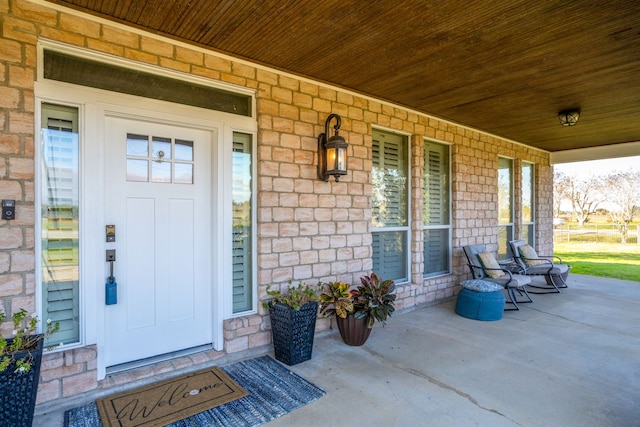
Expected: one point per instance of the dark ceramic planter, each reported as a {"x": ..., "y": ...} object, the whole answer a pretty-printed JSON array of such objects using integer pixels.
[
  {"x": 292, "y": 332},
  {"x": 18, "y": 390},
  {"x": 353, "y": 331}
]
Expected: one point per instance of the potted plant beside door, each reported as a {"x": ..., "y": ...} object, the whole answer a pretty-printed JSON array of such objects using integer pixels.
[
  {"x": 293, "y": 315},
  {"x": 357, "y": 310},
  {"x": 20, "y": 359}
]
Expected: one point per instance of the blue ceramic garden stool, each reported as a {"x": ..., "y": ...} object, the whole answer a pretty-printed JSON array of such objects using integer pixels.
[{"x": 480, "y": 300}]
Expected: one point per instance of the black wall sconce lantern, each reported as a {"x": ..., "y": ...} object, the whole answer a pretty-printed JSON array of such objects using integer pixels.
[
  {"x": 332, "y": 153},
  {"x": 569, "y": 117}
]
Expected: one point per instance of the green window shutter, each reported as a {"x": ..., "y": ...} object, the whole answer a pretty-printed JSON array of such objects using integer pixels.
[
  {"x": 389, "y": 254},
  {"x": 389, "y": 180},
  {"x": 241, "y": 274},
  {"x": 436, "y": 251},
  {"x": 436, "y": 184}
]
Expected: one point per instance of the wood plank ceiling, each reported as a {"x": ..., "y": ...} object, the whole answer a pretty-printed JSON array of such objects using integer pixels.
[{"x": 505, "y": 66}]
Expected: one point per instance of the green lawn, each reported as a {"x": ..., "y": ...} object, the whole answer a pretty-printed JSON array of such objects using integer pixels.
[{"x": 613, "y": 260}]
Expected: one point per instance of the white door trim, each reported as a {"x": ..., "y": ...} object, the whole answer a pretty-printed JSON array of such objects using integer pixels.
[{"x": 217, "y": 178}]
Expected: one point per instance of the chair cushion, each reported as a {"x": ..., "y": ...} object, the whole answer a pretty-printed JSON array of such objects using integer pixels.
[
  {"x": 481, "y": 286},
  {"x": 515, "y": 281},
  {"x": 489, "y": 261},
  {"x": 554, "y": 269},
  {"x": 529, "y": 255}
]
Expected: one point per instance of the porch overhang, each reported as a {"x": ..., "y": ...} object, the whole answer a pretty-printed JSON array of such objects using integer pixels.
[{"x": 506, "y": 68}]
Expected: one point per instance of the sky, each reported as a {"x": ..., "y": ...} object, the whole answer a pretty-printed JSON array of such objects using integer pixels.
[{"x": 598, "y": 167}]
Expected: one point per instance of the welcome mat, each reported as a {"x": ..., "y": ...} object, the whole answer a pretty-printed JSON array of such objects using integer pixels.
[
  {"x": 273, "y": 391},
  {"x": 171, "y": 400}
]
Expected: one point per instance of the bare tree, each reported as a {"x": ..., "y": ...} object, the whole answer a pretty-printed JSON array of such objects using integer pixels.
[
  {"x": 585, "y": 196},
  {"x": 560, "y": 191},
  {"x": 622, "y": 191}
]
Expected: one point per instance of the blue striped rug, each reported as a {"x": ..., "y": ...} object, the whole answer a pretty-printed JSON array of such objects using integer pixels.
[{"x": 273, "y": 391}]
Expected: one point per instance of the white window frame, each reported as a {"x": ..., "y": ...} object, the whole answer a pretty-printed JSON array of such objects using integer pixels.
[
  {"x": 531, "y": 223},
  {"x": 447, "y": 226},
  {"x": 254, "y": 227},
  {"x": 508, "y": 226},
  {"x": 38, "y": 158},
  {"x": 406, "y": 229}
]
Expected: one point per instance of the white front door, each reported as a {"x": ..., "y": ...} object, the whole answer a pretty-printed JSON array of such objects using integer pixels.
[{"x": 158, "y": 195}]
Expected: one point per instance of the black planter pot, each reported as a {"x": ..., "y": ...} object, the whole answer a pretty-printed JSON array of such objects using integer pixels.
[
  {"x": 18, "y": 390},
  {"x": 293, "y": 331},
  {"x": 353, "y": 331}
]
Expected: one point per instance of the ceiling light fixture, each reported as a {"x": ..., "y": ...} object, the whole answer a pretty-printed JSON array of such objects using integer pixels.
[{"x": 569, "y": 117}]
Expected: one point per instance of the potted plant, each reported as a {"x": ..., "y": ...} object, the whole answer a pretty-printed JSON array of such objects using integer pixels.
[
  {"x": 20, "y": 359},
  {"x": 293, "y": 316},
  {"x": 357, "y": 310}
]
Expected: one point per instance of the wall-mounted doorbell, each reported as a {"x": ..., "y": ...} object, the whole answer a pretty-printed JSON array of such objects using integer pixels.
[{"x": 8, "y": 209}]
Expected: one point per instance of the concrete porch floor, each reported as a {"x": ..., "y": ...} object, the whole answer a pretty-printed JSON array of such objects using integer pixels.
[{"x": 568, "y": 359}]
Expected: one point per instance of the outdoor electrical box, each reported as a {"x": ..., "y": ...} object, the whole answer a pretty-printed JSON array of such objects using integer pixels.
[{"x": 8, "y": 209}]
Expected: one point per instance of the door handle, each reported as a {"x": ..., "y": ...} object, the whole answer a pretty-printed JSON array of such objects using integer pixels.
[
  {"x": 111, "y": 290},
  {"x": 111, "y": 258}
]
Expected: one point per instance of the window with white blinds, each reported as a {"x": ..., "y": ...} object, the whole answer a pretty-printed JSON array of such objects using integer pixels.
[
  {"x": 242, "y": 198},
  {"x": 505, "y": 206},
  {"x": 59, "y": 207},
  {"x": 436, "y": 209},
  {"x": 528, "y": 213},
  {"x": 390, "y": 206}
]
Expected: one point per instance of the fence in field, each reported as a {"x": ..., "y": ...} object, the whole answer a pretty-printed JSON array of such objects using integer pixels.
[{"x": 594, "y": 233}]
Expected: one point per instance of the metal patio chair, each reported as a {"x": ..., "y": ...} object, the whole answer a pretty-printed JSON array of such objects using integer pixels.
[
  {"x": 512, "y": 282},
  {"x": 529, "y": 263}
]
